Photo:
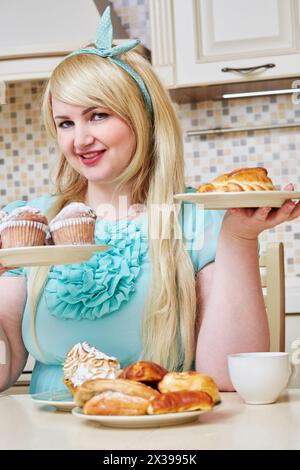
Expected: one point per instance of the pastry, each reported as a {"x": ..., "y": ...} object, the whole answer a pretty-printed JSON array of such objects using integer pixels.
[
  {"x": 191, "y": 381},
  {"x": 128, "y": 387},
  {"x": 73, "y": 225},
  {"x": 116, "y": 403},
  {"x": 84, "y": 362},
  {"x": 245, "y": 179},
  {"x": 24, "y": 226},
  {"x": 184, "y": 400},
  {"x": 144, "y": 371}
]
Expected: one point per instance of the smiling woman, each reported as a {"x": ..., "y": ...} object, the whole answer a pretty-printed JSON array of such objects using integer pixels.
[
  {"x": 93, "y": 135},
  {"x": 119, "y": 138}
]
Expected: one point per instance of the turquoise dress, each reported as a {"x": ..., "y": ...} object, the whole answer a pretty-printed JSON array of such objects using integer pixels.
[{"x": 102, "y": 301}]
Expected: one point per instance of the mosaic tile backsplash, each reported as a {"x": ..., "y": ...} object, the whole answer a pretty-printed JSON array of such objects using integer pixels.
[{"x": 27, "y": 156}]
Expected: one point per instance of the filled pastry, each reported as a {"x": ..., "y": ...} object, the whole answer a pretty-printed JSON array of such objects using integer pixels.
[
  {"x": 114, "y": 397},
  {"x": 183, "y": 400},
  {"x": 189, "y": 381},
  {"x": 144, "y": 371},
  {"x": 112, "y": 403},
  {"x": 244, "y": 179},
  {"x": 142, "y": 388},
  {"x": 84, "y": 362}
]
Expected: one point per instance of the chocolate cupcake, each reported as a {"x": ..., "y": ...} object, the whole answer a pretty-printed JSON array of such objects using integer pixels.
[
  {"x": 73, "y": 225},
  {"x": 24, "y": 226}
]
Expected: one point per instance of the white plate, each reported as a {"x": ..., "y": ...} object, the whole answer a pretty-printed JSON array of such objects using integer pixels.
[
  {"x": 218, "y": 200},
  {"x": 48, "y": 255},
  {"x": 146, "y": 421},
  {"x": 62, "y": 400}
]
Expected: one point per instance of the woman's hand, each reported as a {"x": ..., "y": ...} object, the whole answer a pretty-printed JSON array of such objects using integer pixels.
[
  {"x": 249, "y": 223},
  {"x": 3, "y": 269}
]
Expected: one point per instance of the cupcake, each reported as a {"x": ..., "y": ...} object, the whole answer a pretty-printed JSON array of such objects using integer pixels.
[
  {"x": 3, "y": 214},
  {"x": 84, "y": 362},
  {"x": 24, "y": 226},
  {"x": 73, "y": 225}
]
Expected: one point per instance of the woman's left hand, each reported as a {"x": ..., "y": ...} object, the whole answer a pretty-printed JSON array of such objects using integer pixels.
[{"x": 249, "y": 223}]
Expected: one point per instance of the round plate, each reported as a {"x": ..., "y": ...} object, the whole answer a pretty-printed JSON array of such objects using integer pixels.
[
  {"x": 48, "y": 255},
  {"x": 222, "y": 201},
  {"x": 146, "y": 421},
  {"x": 62, "y": 400}
]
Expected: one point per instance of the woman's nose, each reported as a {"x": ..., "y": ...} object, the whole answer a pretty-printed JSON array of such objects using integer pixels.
[{"x": 82, "y": 138}]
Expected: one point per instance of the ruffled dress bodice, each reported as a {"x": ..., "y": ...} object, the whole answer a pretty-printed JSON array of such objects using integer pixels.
[{"x": 100, "y": 286}]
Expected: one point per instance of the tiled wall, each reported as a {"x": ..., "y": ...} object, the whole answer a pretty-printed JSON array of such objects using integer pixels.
[
  {"x": 276, "y": 150},
  {"x": 26, "y": 155},
  {"x": 134, "y": 15},
  {"x": 25, "y": 152}
]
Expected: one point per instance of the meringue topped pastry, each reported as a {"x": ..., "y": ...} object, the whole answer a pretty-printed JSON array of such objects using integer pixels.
[{"x": 84, "y": 362}]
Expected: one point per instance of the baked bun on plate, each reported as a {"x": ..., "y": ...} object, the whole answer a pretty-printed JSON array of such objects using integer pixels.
[{"x": 244, "y": 179}]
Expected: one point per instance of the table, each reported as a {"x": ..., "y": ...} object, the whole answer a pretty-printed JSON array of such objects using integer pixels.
[{"x": 231, "y": 425}]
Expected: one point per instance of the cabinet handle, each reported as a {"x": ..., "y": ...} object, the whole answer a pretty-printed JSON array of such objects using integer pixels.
[{"x": 245, "y": 70}]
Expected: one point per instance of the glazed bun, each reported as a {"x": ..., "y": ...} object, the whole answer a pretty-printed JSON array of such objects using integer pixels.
[
  {"x": 184, "y": 400},
  {"x": 244, "y": 179},
  {"x": 189, "y": 381},
  {"x": 144, "y": 371}
]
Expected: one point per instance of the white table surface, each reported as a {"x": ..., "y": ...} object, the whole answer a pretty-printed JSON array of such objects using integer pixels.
[{"x": 231, "y": 425}]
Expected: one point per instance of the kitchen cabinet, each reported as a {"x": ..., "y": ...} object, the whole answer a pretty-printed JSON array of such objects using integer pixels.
[
  {"x": 35, "y": 35},
  {"x": 195, "y": 42}
]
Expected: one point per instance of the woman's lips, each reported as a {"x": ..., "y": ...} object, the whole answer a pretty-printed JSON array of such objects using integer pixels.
[{"x": 91, "y": 161}]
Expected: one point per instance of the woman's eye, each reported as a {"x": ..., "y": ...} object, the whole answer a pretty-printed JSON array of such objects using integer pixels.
[
  {"x": 62, "y": 124},
  {"x": 94, "y": 117},
  {"x": 99, "y": 116}
]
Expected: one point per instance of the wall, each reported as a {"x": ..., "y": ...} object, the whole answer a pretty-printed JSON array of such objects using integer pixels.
[{"x": 27, "y": 156}]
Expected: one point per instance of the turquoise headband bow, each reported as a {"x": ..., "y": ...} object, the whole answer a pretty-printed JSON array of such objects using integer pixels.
[{"x": 104, "y": 38}]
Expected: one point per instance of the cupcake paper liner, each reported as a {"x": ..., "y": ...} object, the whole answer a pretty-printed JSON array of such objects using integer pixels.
[
  {"x": 75, "y": 231},
  {"x": 20, "y": 233}
]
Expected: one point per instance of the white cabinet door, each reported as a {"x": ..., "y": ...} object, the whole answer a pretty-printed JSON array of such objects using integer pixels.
[
  {"x": 40, "y": 27},
  {"x": 212, "y": 35},
  {"x": 35, "y": 34},
  {"x": 228, "y": 29}
]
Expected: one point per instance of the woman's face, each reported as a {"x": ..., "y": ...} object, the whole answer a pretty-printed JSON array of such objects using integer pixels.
[{"x": 96, "y": 142}]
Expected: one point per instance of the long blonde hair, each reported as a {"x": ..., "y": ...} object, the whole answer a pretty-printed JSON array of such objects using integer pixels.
[{"x": 156, "y": 173}]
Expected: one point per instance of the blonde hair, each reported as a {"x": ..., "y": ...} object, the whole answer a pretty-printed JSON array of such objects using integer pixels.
[{"x": 155, "y": 173}]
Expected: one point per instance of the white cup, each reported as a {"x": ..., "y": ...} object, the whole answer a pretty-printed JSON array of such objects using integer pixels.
[{"x": 260, "y": 377}]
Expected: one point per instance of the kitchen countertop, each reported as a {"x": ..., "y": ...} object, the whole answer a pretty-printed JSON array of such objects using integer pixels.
[{"x": 231, "y": 425}]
